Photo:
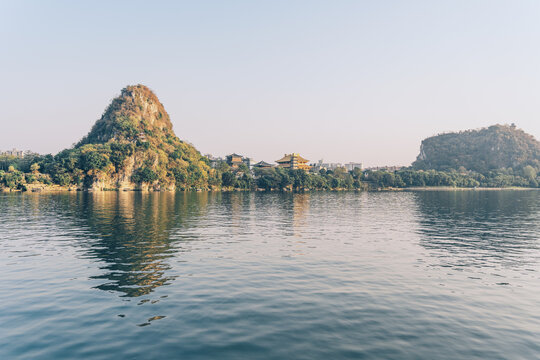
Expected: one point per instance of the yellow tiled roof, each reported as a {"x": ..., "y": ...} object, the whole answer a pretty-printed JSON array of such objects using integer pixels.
[{"x": 288, "y": 158}]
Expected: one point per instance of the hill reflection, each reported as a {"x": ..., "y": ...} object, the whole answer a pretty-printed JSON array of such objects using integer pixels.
[
  {"x": 479, "y": 228},
  {"x": 131, "y": 234}
]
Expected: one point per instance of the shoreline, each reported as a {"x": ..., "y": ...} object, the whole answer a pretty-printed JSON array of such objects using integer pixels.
[
  {"x": 62, "y": 189},
  {"x": 449, "y": 188}
]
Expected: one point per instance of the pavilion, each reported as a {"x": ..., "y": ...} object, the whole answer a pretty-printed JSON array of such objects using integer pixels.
[{"x": 293, "y": 161}]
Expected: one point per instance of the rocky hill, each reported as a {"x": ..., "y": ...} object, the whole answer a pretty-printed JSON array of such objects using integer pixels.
[
  {"x": 132, "y": 146},
  {"x": 483, "y": 150},
  {"x": 135, "y": 112}
]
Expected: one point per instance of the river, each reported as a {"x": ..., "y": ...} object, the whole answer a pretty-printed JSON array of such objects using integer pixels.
[{"x": 321, "y": 275}]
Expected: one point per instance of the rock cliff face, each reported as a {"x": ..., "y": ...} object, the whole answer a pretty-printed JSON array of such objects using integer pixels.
[
  {"x": 133, "y": 146},
  {"x": 495, "y": 147}
]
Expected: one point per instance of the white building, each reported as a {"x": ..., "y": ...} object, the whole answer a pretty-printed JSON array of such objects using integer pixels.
[
  {"x": 352, "y": 165},
  {"x": 14, "y": 152},
  {"x": 214, "y": 160},
  {"x": 320, "y": 165}
]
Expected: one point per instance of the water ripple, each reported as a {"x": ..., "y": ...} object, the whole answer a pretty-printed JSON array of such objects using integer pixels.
[{"x": 426, "y": 275}]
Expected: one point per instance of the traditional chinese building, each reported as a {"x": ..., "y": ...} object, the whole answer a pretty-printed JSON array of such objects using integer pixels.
[
  {"x": 234, "y": 160},
  {"x": 293, "y": 161},
  {"x": 262, "y": 165}
]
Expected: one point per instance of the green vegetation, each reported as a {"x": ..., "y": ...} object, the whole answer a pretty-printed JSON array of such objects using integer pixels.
[
  {"x": 288, "y": 179},
  {"x": 18, "y": 180},
  {"x": 279, "y": 178},
  {"x": 420, "y": 178},
  {"x": 133, "y": 145},
  {"x": 482, "y": 151},
  {"x": 21, "y": 164}
]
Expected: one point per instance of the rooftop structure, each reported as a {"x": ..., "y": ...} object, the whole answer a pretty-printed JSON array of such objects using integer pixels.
[
  {"x": 293, "y": 161},
  {"x": 263, "y": 165},
  {"x": 235, "y": 160}
]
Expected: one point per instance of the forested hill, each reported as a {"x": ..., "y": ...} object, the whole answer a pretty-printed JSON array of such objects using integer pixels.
[
  {"x": 483, "y": 150},
  {"x": 131, "y": 146},
  {"x": 137, "y": 110}
]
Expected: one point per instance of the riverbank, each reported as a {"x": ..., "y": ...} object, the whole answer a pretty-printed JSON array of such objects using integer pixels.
[
  {"x": 40, "y": 188},
  {"x": 449, "y": 188}
]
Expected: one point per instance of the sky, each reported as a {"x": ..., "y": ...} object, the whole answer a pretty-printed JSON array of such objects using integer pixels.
[{"x": 360, "y": 81}]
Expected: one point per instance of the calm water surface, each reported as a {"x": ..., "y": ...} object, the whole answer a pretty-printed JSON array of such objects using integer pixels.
[{"x": 415, "y": 275}]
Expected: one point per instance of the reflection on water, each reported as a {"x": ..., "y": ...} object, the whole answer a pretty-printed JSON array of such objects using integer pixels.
[
  {"x": 132, "y": 239},
  {"x": 480, "y": 228},
  {"x": 132, "y": 236},
  {"x": 322, "y": 275}
]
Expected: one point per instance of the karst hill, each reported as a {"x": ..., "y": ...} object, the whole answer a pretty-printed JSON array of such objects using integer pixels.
[
  {"x": 130, "y": 116},
  {"x": 132, "y": 146},
  {"x": 483, "y": 150}
]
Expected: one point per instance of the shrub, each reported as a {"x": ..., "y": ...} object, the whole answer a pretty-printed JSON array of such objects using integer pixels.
[{"x": 143, "y": 175}]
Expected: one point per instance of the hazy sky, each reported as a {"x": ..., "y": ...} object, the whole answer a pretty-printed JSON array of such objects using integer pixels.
[{"x": 345, "y": 81}]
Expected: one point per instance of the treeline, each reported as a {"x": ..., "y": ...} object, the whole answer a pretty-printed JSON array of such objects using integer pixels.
[
  {"x": 21, "y": 164},
  {"x": 82, "y": 166},
  {"x": 275, "y": 179},
  {"x": 287, "y": 179},
  {"x": 16, "y": 173},
  {"x": 75, "y": 167},
  {"x": 526, "y": 177},
  {"x": 71, "y": 168}
]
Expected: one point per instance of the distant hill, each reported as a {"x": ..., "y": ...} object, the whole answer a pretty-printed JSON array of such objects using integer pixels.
[
  {"x": 495, "y": 147},
  {"x": 132, "y": 146}
]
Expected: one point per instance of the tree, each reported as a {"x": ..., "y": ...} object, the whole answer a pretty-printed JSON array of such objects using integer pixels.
[
  {"x": 34, "y": 168},
  {"x": 13, "y": 179},
  {"x": 228, "y": 179},
  {"x": 243, "y": 168},
  {"x": 144, "y": 175},
  {"x": 529, "y": 173},
  {"x": 93, "y": 160},
  {"x": 222, "y": 166}
]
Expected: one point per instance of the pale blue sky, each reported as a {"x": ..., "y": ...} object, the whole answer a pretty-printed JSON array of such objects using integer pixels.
[{"x": 340, "y": 80}]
